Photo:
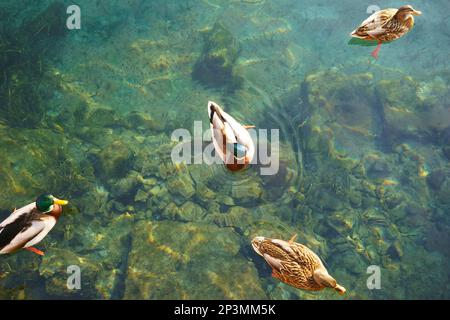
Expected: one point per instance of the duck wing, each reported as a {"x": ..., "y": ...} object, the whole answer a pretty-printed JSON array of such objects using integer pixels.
[
  {"x": 373, "y": 26},
  {"x": 18, "y": 213},
  {"x": 20, "y": 231}
]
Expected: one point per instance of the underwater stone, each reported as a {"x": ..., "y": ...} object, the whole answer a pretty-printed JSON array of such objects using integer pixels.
[
  {"x": 104, "y": 118},
  {"x": 114, "y": 160},
  {"x": 114, "y": 242},
  {"x": 355, "y": 199},
  {"x": 377, "y": 167},
  {"x": 393, "y": 199},
  {"x": 436, "y": 178},
  {"x": 220, "y": 52},
  {"x": 125, "y": 189},
  {"x": 141, "y": 196},
  {"x": 341, "y": 111},
  {"x": 204, "y": 193},
  {"x": 171, "y": 212},
  {"x": 395, "y": 251},
  {"x": 342, "y": 223},
  {"x": 406, "y": 115},
  {"x": 54, "y": 270},
  {"x": 246, "y": 192},
  {"x": 191, "y": 212},
  {"x": 172, "y": 260},
  {"x": 181, "y": 185},
  {"x": 224, "y": 199},
  {"x": 138, "y": 120}
]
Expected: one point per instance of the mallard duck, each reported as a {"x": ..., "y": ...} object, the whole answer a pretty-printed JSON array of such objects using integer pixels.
[
  {"x": 386, "y": 25},
  {"x": 28, "y": 225},
  {"x": 231, "y": 140},
  {"x": 295, "y": 264}
]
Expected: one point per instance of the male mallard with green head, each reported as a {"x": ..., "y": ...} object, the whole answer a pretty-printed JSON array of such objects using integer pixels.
[
  {"x": 30, "y": 224},
  {"x": 295, "y": 264},
  {"x": 231, "y": 140},
  {"x": 386, "y": 25}
]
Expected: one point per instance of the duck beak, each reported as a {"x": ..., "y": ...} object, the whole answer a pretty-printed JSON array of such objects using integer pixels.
[
  {"x": 60, "y": 202},
  {"x": 416, "y": 12}
]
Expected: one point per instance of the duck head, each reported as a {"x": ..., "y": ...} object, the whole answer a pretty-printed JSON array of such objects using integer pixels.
[
  {"x": 322, "y": 278},
  {"x": 47, "y": 203},
  {"x": 238, "y": 158},
  {"x": 407, "y": 12},
  {"x": 240, "y": 153}
]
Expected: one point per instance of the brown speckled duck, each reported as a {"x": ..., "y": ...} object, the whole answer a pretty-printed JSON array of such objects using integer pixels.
[
  {"x": 386, "y": 25},
  {"x": 295, "y": 264}
]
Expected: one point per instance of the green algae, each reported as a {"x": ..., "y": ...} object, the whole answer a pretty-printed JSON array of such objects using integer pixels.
[{"x": 360, "y": 179}]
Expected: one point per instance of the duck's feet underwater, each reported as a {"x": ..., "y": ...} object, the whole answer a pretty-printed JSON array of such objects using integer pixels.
[
  {"x": 34, "y": 250},
  {"x": 376, "y": 51}
]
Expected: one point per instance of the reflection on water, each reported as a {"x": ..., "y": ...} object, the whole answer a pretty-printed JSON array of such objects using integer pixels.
[{"x": 88, "y": 114}]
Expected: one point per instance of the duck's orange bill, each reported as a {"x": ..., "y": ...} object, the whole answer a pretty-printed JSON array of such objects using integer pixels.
[{"x": 37, "y": 251}]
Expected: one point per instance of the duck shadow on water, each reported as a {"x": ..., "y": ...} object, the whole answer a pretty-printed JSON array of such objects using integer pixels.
[{"x": 364, "y": 43}]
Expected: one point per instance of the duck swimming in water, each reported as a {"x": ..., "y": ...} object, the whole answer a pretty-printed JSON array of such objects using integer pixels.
[
  {"x": 28, "y": 225},
  {"x": 295, "y": 264},
  {"x": 386, "y": 25},
  {"x": 231, "y": 140}
]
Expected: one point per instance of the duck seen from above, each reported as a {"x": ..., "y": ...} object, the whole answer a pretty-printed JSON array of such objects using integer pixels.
[
  {"x": 295, "y": 264},
  {"x": 28, "y": 225},
  {"x": 386, "y": 25},
  {"x": 232, "y": 141}
]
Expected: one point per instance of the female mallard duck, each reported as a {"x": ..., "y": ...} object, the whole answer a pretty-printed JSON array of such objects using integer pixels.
[
  {"x": 28, "y": 225},
  {"x": 295, "y": 264},
  {"x": 231, "y": 140},
  {"x": 386, "y": 25}
]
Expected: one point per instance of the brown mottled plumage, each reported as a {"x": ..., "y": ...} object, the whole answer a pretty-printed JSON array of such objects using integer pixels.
[
  {"x": 386, "y": 25},
  {"x": 295, "y": 264}
]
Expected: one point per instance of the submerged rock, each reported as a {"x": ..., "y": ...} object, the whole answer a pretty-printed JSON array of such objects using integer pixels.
[
  {"x": 407, "y": 114},
  {"x": 247, "y": 191},
  {"x": 54, "y": 270},
  {"x": 114, "y": 160},
  {"x": 172, "y": 260},
  {"x": 140, "y": 121},
  {"x": 220, "y": 52},
  {"x": 181, "y": 185}
]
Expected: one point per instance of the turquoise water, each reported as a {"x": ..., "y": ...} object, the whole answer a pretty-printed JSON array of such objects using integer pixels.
[{"x": 88, "y": 114}]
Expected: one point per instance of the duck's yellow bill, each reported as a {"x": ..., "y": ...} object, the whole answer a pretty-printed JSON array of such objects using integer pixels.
[{"x": 60, "y": 202}]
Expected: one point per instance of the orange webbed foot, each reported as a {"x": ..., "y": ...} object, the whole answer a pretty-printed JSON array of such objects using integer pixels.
[
  {"x": 376, "y": 51},
  {"x": 34, "y": 250}
]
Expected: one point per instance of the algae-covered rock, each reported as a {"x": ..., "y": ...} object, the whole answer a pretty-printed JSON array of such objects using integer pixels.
[
  {"x": 54, "y": 269},
  {"x": 102, "y": 117},
  {"x": 191, "y": 212},
  {"x": 114, "y": 160},
  {"x": 246, "y": 192},
  {"x": 181, "y": 185},
  {"x": 141, "y": 121},
  {"x": 344, "y": 104},
  {"x": 125, "y": 189},
  {"x": 220, "y": 52},
  {"x": 172, "y": 260},
  {"x": 407, "y": 115}
]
